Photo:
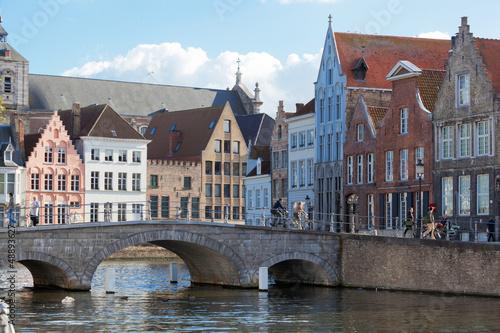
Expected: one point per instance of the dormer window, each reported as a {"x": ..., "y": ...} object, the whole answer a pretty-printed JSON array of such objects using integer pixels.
[
  {"x": 8, "y": 156},
  {"x": 360, "y": 69}
]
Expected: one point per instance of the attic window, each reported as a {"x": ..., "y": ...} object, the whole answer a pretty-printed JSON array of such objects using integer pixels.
[
  {"x": 172, "y": 128},
  {"x": 360, "y": 70},
  {"x": 211, "y": 124},
  {"x": 152, "y": 131},
  {"x": 8, "y": 156},
  {"x": 113, "y": 132}
]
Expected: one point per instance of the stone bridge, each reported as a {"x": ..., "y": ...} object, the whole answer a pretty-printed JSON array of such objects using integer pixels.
[{"x": 67, "y": 256}]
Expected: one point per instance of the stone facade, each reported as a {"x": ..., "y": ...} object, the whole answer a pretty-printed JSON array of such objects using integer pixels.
[
  {"x": 279, "y": 156},
  {"x": 466, "y": 139}
]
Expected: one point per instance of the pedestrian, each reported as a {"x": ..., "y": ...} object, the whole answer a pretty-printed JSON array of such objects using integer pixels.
[
  {"x": 298, "y": 213},
  {"x": 277, "y": 211},
  {"x": 491, "y": 230},
  {"x": 410, "y": 221},
  {"x": 34, "y": 211},
  {"x": 429, "y": 220},
  {"x": 10, "y": 210}
]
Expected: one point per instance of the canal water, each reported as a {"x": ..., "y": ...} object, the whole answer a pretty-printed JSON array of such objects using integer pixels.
[{"x": 145, "y": 301}]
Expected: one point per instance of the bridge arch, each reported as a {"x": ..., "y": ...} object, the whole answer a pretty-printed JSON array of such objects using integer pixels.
[
  {"x": 47, "y": 271},
  {"x": 208, "y": 260},
  {"x": 300, "y": 267}
]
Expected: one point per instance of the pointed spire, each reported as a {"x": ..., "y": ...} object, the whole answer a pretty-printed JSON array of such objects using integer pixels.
[
  {"x": 238, "y": 73},
  {"x": 330, "y": 19}
]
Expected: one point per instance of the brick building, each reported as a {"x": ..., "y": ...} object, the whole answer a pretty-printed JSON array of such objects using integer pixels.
[{"x": 466, "y": 139}]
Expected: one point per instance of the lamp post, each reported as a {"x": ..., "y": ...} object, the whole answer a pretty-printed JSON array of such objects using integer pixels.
[{"x": 420, "y": 174}]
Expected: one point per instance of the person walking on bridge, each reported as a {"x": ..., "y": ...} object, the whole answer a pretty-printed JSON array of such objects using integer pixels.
[{"x": 10, "y": 210}]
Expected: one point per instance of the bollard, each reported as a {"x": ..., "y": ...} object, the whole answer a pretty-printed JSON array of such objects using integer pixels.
[
  {"x": 263, "y": 279},
  {"x": 110, "y": 280},
  {"x": 173, "y": 272}
]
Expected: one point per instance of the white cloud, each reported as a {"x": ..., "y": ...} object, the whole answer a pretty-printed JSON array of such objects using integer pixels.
[
  {"x": 434, "y": 35},
  {"x": 170, "y": 63}
]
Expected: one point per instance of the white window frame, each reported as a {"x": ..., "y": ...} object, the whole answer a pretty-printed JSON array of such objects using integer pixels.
[
  {"x": 403, "y": 207},
  {"x": 294, "y": 178},
  {"x": 35, "y": 182},
  {"x": 302, "y": 173},
  {"x": 464, "y": 195},
  {"x": 136, "y": 156},
  {"x": 404, "y": 121},
  {"x": 310, "y": 138},
  {"x": 108, "y": 181},
  {"x": 108, "y": 155},
  {"x": 122, "y": 156},
  {"x": 463, "y": 89},
  {"x": 369, "y": 172},
  {"x": 483, "y": 195},
  {"x": 465, "y": 140},
  {"x": 447, "y": 195},
  {"x": 419, "y": 155},
  {"x": 403, "y": 164},
  {"x": 447, "y": 142},
  {"x": 310, "y": 173},
  {"x": 483, "y": 138},
  {"x": 371, "y": 211},
  {"x": 75, "y": 183},
  {"x": 94, "y": 180},
  {"x": 293, "y": 141},
  {"x": 49, "y": 156},
  {"x": 359, "y": 133},
  {"x": 389, "y": 159},
  {"x": 349, "y": 169},
  {"x": 94, "y": 154},
  {"x": 388, "y": 210},
  {"x": 61, "y": 155},
  {"x": 61, "y": 183},
  {"x": 122, "y": 181},
  {"x": 302, "y": 140},
  {"x": 359, "y": 169}
]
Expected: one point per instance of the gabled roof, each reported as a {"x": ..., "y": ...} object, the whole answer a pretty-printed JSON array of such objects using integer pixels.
[
  {"x": 380, "y": 53},
  {"x": 30, "y": 141},
  {"x": 49, "y": 92},
  {"x": 256, "y": 128},
  {"x": 194, "y": 129},
  {"x": 490, "y": 52},
  {"x": 6, "y": 139},
  {"x": 306, "y": 109},
  {"x": 376, "y": 114},
  {"x": 265, "y": 169},
  {"x": 100, "y": 121},
  {"x": 429, "y": 84}
]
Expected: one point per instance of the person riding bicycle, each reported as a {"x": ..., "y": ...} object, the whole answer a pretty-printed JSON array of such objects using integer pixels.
[
  {"x": 278, "y": 211},
  {"x": 409, "y": 223}
]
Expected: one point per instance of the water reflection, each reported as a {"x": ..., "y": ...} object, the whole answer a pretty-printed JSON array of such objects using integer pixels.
[{"x": 145, "y": 301}]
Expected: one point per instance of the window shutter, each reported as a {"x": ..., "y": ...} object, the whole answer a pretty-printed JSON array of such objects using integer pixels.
[
  {"x": 395, "y": 209},
  {"x": 426, "y": 202},
  {"x": 381, "y": 209}
]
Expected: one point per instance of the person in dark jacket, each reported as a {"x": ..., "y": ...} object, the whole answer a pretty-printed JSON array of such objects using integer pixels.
[
  {"x": 277, "y": 211},
  {"x": 491, "y": 230},
  {"x": 410, "y": 221}
]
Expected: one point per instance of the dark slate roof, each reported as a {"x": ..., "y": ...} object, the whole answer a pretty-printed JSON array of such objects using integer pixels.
[
  {"x": 193, "y": 127},
  {"x": 265, "y": 169},
  {"x": 6, "y": 137},
  {"x": 264, "y": 152},
  {"x": 100, "y": 121},
  {"x": 30, "y": 141},
  {"x": 256, "y": 128},
  {"x": 49, "y": 92}
]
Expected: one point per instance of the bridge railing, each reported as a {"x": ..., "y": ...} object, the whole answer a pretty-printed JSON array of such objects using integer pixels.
[{"x": 194, "y": 210}]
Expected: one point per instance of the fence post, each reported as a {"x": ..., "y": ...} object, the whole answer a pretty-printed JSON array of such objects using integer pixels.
[{"x": 226, "y": 213}]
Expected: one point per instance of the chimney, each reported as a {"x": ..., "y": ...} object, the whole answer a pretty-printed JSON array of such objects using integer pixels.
[
  {"x": 298, "y": 106},
  {"x": 173, "y": 138},
  {"x": 75, "y": 120},
  {"x": 21, "y": 140}
]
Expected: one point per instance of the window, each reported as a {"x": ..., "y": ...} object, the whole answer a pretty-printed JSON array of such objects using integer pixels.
[
  {"x": 61, "y": 155},
  {"x": 321, "y": 109},
  {"x": 165, "y": 207},
  {"x": 75, "y": 183},
  {"x": 61, "y": 183},
  {"x": 208, "y": 190},
  {"x": 227, "y": 146},
  {"x": 153, "y": 200},
  {"x": 236, "y": 191},
  {"x": 136, "y": 182},
  {"x": 108, "y": 181},
  {"x": 276, "y": 160},
  {"x": 419, "y": 155},
  {"x": 49, "y": 213},
  {"x": 153, "y": 180},
  {"x": 404, "y": 121},
  {"x": 208, "y": 167},
  {"x": 217, "y": 212},
  {"x": 7, "y": 86},
  {"x": 74, "y": 204},
  {"x": 108, "y": 155},
  {"x": 338, "y": 103},
  {"x": 250, "y": 199},
  {"x": 280, "y": 132},
  {"x": 94, "y": 211},
  {"x": 276, "y": 189},
  {"x": 265, "y": 198},
  {"x": 236, "y": 147},
  {"x": 243, "y": 169},
  {"x": 187, "y": 182},
  {"x": 463, "y": 89},
  {"x": 302, "y": 173},
  {"x": 35, "y": 182},
  {"x": 227, "y": 126},
  {"x": 48, "y": 154},
  {"x": 294, "y": 174},
  {"x": 349, "y": 169},
  {"x": 208, "y": 212},
  {"x": 388, "y": 210},
  {"x": 330, "y": 116},
  {"x": 122, "y": 156},
  {"x": 11, "y": 182},
  {"x": 464, "y": 195},
  {"x": 94, "y": 154},
  {"x": 94, "y": 180},
  {"x": 236, "y": 213},
  {"x": 293, "y": 141},
  {"x": 483, "y": 195},
  {"x": 403, "y": 164},
  {"x": 371, "y": 211},
  {"x": 302, "y": 139},
  {"x": 227, "y": 190},
  {"x": 402, "y": 206},
  {"x": 310, "y": 138},
  {"x": 184, "y": 207},
  {"x": 122, "y": 212},
  {"x": 195, "y": 207},
  {"x": 122, "y": 181},
  {"x": 217, "y": 190},
  {"x": 321, "y": 147},
  {"x": 217, "y": 168},
  {"x": 227, "y": 168},
  {"x": 136, "y": 156},
  {"x": 284, "y": 159},
  {"x": 369, "y": 172},
  {"x": 447, "y": 184},
  {"x": 483, "y": 138},
  {"x": 48, "y": 183},
  {"x": 359, "y": 172},
  {"x": 447, "y": 142},
  {"x": 359, "y": 132},
  {"x": 310, "y": 173},
  {"x": 329, "y": 147},
  {"x": 464, "y": 140},
  {"x": 388, "y": 165},
  {"x": 218, "y": 146},
  {"x": 338, "y": 146},
  {"x": 257, "y": 199},
  {"x": 284, "y": 186},
  {"x": 236, "y": 168}
]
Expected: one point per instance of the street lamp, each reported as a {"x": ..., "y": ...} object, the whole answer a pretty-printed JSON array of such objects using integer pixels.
[{"x": 420, "y": 174}]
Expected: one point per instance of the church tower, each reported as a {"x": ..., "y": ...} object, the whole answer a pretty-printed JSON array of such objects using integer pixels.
[{"x": 251, "y": 103}]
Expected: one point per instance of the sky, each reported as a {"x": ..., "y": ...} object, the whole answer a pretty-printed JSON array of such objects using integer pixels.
[{"x": 197, "y": 43}]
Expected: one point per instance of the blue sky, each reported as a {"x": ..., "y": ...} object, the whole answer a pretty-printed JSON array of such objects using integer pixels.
[{"x": 197, "y": 43}]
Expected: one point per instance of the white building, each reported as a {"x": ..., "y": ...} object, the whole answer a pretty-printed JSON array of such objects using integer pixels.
[
  {"x": 115, "y": 158},
  {"x": 258, "y": 193},
  {"x": 301, "y": 137}
]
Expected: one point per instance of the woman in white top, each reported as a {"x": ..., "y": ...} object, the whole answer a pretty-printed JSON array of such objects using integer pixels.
[{"x": 34, "y": 211}]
